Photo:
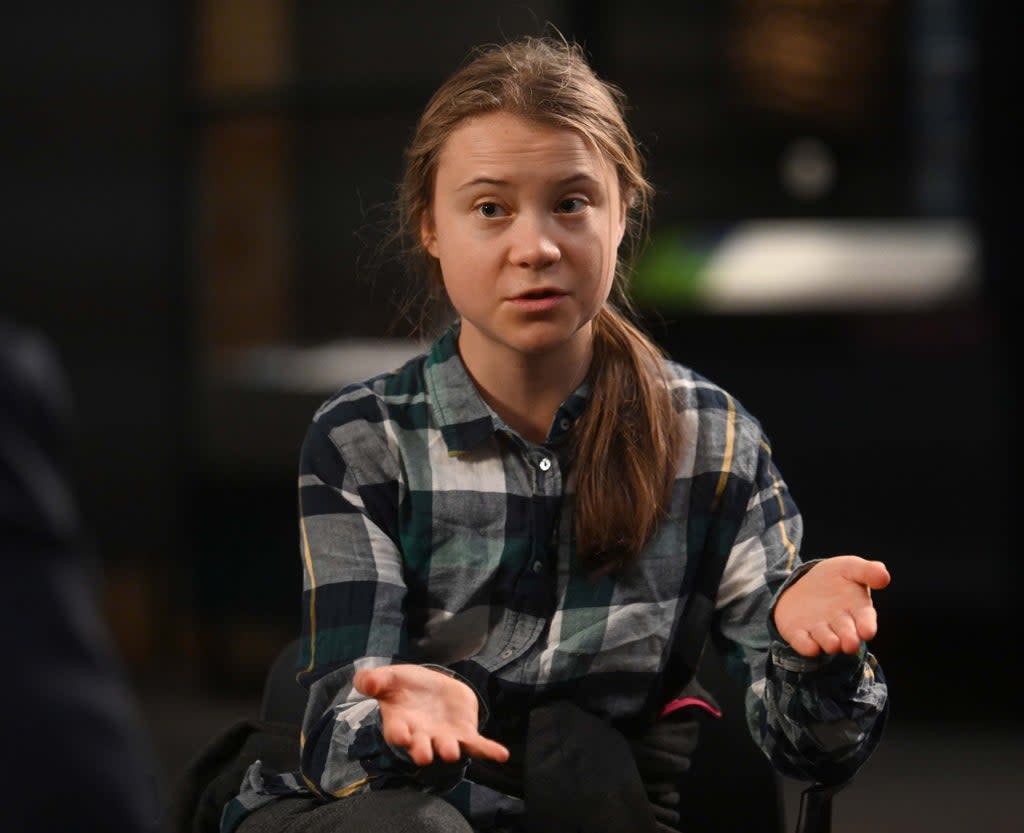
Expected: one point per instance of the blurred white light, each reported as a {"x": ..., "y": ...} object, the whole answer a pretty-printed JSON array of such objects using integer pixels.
[
  {"x": 770, "y": 266},
  {"x": 315, "y": 370}
]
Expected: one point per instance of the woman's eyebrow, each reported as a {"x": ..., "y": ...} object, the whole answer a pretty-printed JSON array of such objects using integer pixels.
[{"x": 482, "y": 180}]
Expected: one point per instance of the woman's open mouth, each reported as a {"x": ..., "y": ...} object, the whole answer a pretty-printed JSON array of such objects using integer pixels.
[{"x": 539, "y": 300}]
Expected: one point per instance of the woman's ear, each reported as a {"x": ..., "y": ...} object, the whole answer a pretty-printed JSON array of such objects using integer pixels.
[{"x": 428, "y": 237}]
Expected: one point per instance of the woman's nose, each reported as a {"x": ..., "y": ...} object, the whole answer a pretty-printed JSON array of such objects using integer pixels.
[{"x": 533, "y": 244}]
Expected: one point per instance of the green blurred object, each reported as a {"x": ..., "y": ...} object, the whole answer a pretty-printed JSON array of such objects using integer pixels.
[{"x": 669, "y": 273}]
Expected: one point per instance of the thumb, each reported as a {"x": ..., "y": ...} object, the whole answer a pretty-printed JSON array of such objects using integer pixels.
[
  {"x": 873, "y": 574},
  {"x": 371, "y": 681}
]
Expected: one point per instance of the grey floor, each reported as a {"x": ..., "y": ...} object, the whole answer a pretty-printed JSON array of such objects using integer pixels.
[
  {"x": 962, "y": 779},
  {"x": 959, "y": 780}
]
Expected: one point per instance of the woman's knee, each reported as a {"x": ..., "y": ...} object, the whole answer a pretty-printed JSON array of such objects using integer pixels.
[
  {"x": 410, "y": 810},
  {"x": 373, "y": 811}
]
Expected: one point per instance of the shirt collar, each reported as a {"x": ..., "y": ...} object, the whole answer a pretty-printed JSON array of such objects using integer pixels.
[{"x": 464, "y": 418}]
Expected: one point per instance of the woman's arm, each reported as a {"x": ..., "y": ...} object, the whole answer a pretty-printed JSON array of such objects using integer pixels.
[
  {"x": 370, "y": 713},
  {"x": 816, "y": 717}
]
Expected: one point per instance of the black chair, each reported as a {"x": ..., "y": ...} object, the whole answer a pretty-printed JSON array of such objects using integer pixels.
[
  {"x": 284, "y": 700},
  {"x": 731, "y": 785}
]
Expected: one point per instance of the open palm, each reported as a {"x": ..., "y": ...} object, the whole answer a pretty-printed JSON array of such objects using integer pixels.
[
  {"x": 428, "y": 713},
  {"x": 829, "y": 608}
]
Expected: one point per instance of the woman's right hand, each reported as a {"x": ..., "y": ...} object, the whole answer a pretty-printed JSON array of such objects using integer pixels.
[{"x": 427, "y": 712}]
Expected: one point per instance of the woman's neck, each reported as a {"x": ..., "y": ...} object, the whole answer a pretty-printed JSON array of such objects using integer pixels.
[{"x": 526, "y": 390}]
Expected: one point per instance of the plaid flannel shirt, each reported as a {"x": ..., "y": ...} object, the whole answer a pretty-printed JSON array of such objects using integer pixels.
[{"x": 433, "y": 533}]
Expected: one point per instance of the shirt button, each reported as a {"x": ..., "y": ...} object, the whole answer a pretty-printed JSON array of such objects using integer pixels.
[
  {"x": 537, "y": 566},
  {"x": 564, "y": 424},
  {"x": 545, "y": 464},
  {"x": 507, "y": 653}
]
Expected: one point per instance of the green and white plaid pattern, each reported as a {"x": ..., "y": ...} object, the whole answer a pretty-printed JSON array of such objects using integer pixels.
[{"x": 433, "y": 533}]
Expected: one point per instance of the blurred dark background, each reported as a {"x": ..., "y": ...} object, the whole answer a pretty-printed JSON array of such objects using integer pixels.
[{"x": 195, "y": 199}]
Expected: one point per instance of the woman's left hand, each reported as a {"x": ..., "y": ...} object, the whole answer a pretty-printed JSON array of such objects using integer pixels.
[{"x": 829, "y": 607}]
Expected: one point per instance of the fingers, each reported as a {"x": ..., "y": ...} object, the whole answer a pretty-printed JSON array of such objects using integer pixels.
[
  {"x": 843, "y": 633},
  {"x": 447, "y": 749},
  {"x": 415, "y": 742},
  {"x": 423, "y": 746},
  {"x": 481, "y": 747},
  {"x": 866, "y": 623},
  {"x": 420, "y": 743},
  {"x": 826, "y": 638},
  {"x": 846, "y": 631},
  {"x": 803, "y": 644},
  {"x": 420, "y": 749},
  {"x": 397, "y": 732}
]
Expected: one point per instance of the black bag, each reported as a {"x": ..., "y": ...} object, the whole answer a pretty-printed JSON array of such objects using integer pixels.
[{"x": 580, "y": 776}]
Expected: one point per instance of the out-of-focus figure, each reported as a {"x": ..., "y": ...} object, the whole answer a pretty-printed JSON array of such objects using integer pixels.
[{"x": 75, "y": 756}]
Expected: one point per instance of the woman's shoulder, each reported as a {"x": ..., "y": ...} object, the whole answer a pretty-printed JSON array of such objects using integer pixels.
[
  {"x": 353, "y": 432},
  {"x": 375, "y": 400},
  {"x": 694, "y": 388},
  {"x": 713, "y": 405}
]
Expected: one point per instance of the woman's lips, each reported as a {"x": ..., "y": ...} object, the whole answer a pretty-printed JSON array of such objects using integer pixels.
[{"x": 539, "y": 301}]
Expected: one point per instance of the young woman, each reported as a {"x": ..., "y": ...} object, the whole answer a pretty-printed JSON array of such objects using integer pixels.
[{"x": 513, "y": 520}]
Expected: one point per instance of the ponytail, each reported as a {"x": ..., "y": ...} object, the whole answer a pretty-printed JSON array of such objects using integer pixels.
[{"x": 626, "y": 446}]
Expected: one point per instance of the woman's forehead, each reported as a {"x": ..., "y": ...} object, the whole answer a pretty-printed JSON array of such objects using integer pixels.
[{"x": 504, "y": 147}]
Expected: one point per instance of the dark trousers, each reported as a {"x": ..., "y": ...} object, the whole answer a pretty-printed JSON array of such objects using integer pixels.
[{"x": 383, "y": 811}]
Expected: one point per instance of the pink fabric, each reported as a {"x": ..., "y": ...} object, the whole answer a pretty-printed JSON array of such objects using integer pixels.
[{"x": 684, "y": 702}]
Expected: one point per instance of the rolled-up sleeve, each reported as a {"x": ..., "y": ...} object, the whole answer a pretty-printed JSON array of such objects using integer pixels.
[
  {"x": 816, "y": 719},
  {"x": 353, "y": 617}
]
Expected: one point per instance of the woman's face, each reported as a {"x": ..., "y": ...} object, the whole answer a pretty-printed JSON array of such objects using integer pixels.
[{"x": 526, "y": 222}]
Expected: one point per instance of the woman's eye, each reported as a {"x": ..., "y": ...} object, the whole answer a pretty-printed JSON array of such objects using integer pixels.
[
  {"x": 489, "y": 209},
  {"x": 571, "y": 205}
]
